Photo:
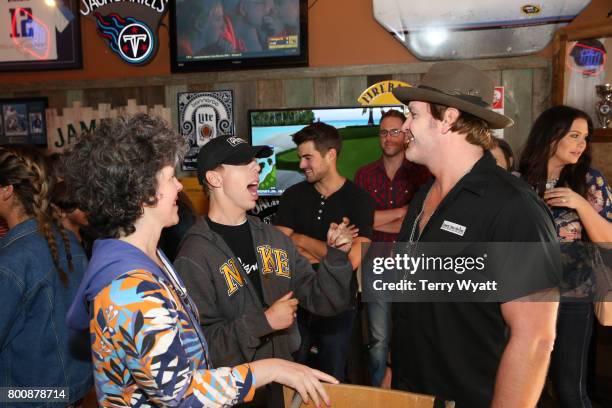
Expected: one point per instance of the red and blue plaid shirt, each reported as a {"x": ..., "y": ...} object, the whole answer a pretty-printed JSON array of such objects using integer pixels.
[{"x": 388, "y": 193}]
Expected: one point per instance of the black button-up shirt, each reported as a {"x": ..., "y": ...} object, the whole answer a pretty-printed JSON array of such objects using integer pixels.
[{"x": 453, "y": 350}]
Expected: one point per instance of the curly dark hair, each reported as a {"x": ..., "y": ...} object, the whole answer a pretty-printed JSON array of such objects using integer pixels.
[
  {"x": 111, "y": 172},
  {"x": 323, "y": 136},
  {"x": 548, "y": 129}
]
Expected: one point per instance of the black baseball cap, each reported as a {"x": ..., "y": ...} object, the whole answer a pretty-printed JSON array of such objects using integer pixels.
[{"x": 227, "y": 150}]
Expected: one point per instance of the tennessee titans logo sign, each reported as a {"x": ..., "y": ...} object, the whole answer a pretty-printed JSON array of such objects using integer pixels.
[{"x": 129, "y": 38}]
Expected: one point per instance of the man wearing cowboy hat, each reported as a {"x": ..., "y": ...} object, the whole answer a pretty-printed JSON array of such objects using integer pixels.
[{"x": 479, "y": 354}]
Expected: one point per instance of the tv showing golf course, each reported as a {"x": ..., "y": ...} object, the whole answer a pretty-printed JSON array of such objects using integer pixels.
[{"x": 358, "y": 127}]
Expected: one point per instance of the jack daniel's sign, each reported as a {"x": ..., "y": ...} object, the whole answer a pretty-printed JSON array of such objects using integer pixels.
[{"x": 129, "y": 27}]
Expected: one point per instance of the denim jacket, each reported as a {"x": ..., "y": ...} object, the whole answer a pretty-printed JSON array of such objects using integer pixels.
[{"x": 36, "y": 347}]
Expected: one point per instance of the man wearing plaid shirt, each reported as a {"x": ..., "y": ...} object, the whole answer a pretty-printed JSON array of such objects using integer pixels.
[{"x": 391, "y": 181}]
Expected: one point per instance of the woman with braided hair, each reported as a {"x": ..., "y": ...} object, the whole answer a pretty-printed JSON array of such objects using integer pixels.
[
  {"x": 41, "y": 266},
  {"x": 65, "y": 208}
]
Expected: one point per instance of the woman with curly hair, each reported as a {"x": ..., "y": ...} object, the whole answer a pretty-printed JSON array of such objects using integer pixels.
[
  {"x": 556, "y": 162},
  {"x": 147, "y": 345},
  {"x": 41, "y": 266}
]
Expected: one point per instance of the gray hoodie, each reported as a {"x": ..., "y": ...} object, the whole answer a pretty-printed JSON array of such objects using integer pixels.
[{"x": 231, "y": 313}]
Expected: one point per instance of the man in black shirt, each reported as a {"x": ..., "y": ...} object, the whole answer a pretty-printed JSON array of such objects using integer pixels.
[
  {"x": 304, "y": 211},
  {"x": 246, "y": 277},
  {"x": 476, "y": 353}
]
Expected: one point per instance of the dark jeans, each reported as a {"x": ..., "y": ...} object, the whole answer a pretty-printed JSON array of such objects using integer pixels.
[
  {"x": 379, "y": 329},
  {"x": 330, "y": 336},
  {"x": 568, "y": 369}
]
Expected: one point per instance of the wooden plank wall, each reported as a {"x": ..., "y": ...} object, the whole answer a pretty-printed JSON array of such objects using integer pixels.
[
  {"x": 527, "y": 81},
  {"x": 601, "y": 153}
]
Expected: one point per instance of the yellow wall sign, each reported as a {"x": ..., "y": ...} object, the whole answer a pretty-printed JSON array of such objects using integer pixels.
[{"x": 381, "y": 94}]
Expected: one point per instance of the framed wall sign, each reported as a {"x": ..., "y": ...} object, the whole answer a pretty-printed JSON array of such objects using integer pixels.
[
  {"x": 203, "y": 116},
  {"x": 22, "y": 121},
  {"x": 129, "y": 28},
  {"x": 39, "y": 35}
]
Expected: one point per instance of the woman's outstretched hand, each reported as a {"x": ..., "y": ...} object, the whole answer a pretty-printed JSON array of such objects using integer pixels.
[{"x": 305, "y": 380}]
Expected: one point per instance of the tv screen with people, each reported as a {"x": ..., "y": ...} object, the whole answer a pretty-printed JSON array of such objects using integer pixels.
[
  {"x": 358, "y": 127},
  {"x": 223, "y": 34}
]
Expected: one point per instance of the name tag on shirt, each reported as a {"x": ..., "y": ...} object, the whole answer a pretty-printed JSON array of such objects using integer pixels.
[{"x": 453, "y": 228}]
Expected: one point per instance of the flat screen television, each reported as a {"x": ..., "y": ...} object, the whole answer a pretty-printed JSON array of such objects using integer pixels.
[
  {"x": 23, "y": 122},
  {"x": 358, "y": 127},
  {"x": 208, "y": 35}
]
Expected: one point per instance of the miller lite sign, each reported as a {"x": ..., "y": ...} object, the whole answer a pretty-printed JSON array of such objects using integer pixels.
[
  {"x": 128, "y": 27},
  {"x": 203, "y": 116}
]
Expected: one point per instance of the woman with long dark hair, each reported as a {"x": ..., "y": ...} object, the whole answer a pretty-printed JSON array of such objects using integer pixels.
[
  {"x": 556, "y": 161},
  {"x": 41, "y": 265}
]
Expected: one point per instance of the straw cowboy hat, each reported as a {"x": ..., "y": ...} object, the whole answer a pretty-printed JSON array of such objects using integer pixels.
[{"x": 457, "y": 85}]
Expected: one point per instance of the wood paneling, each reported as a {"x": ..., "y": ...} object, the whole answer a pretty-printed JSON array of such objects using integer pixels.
[
  {"x": 327, "y": 91},
  {"x": 350, "y": 89},
  {"x": 201, "y": 87},
  {"x": 602, "y": 151},
  {"x": 518, "y": 105},
  {"x": 299, "y": 93},
  {"x": 412, "y": 79},
  {"x": 496, "y": 77},
  {"x": 270, "y": 94},
  {"x": 170, "y": 101},
  {"x": 374, "y": 79},
  {"x": 527, "y": 81},
  {"x": 269, "y": 74},
  {"x": 149, "y": 95},
  {"x": 244, "y": 99},
  {"x": 75, "y": 95},
  {"x": 542, "y": 91},
  {"x": 57, "y": 99}
]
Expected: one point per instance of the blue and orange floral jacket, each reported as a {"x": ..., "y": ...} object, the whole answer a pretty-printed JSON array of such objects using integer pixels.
[{"x": 146, "y": 343}]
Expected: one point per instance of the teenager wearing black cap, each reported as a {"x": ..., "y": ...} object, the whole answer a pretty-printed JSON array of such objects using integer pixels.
[
  {"x": 246, "y": 277},
  {"x": 479, "y": 354}
]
